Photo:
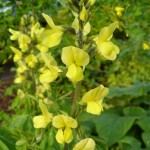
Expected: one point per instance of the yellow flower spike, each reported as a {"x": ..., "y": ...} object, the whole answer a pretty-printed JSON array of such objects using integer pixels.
[
  {"x": 64, "y": 136},
  {"x": 94, "y": 99},
  {"x": 75, "y": 55},
  {"x": 64, "y": 124},
  {"x": 83, "y": 14},
  {"x": 18, "y": 54},
  {"x": 145, "y": 46},
  {"x": 43, "y": 120},
  {"x": 106, "y": 49},
  {"x": 31, "y": 60},
  {"x": 86, "y": 28},
  {"x": 15, "y": 34},
  {"x": 85, "y": 144}
]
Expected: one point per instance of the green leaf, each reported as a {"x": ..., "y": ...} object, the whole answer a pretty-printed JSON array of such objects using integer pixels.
[
  {"x": 144, "y": 123},
  {"x": 21, "y": 122},
  {"x": 130, "y": 143},
  {"x": 7, "y": 138},
  {"x": 3, "y": 146},
  {"x": 146, "y": 138},
  {"x": 134, "y": 111},
  {"x": 112, "y": 127}
]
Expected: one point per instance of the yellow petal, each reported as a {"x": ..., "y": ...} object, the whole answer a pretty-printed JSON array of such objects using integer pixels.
[
  {"x": 75, "y": 55},
  {"x": 72, "y": 71},
  {"x": 48, "y": 76},
  {"x": 61, "y": 121},
  {"x": 107, "y": 32},
  {"x": 19, "y": 78},
  {"x": 94, "y": 107},
  {"x": 53, "y": 39},
  {"x": 108, "y": 50},
  {"x": 85, "y": 144},
  {"x": 83, "y": 14},
  {"x": 95, "y": 94},
  {"x": 64, "y": 136},
  {"x": 42, "y": 48},
  {"x": 58, "y": 121},
  {"x": 21, "y": 67},
  {"x": 40, "y": 121},
  {"x": 51, "y": 23},
  {"x": 60, "y": 136},
  {"x": 70, "y": 122},
  {"x": 31, "y": 60},
  {"x": 18, "y": 54},
  {"x": 75, "y": 73},
  {"x": 68, "y": 135},
  {"x": 15, "y": 34}
]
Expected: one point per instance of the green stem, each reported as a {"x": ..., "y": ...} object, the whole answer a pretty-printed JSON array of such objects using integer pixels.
[{"x": 77, "y": 85}]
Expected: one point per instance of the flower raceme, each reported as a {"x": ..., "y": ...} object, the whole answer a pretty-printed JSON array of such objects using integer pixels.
[
  {"x": 94, "y": 98},
  {"x": 43, "y": 120},
  {"x": 64, "y": 125},
  {"x": 74, "y": 58},
  {"x": 106, "y": 50},
  {"x": 85, "y": 144}
]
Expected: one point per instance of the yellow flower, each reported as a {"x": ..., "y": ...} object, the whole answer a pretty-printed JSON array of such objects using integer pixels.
[
  {"x": 86, "y": 29},
  {"x": 94, "y": 99},
  {"x": 74, "y": 58},
  {"x": 64, "y": 125},
  {"x": 119, "y": 10},
  {"x": 43, "y": 120},
  {"x": 15, "y": 34},
  {"x": 23, "y": 41},
  {"x": 85, "y": 144},
  {"x": 31, "y": 60},
  {"x": 54, "y": 35},
  {"x": 19, "y": 78},
  {"x": 145, "y": 46},
  {"x": 18, "y": 54},
  {"x": 106, "y": 49},
  {"x": 50, "y": 73},
  {"x": 22, "y": 67}
]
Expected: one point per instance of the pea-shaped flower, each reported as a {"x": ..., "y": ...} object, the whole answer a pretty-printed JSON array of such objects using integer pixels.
[
  {"x": 94, "y": 98},
  {"x": 18, "y": 54},
  {"x": 106, "y": 49},
  {"x": 74, "y": 58},
  {"x": 64, "y": 125},
  {"x": 31, "y": 60},
  {"x": 85, "y": 144},
  {"x": 43, "y": 120},
  {"x": 54, "y": 35}
]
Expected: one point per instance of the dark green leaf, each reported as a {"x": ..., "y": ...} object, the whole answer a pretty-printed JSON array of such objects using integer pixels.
[
  {"x": 146, "y": 138},
  {"x": 134, "y": 111},
  {"x": 112, "y": 127},
  {"x": 144, "y": 123}
]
